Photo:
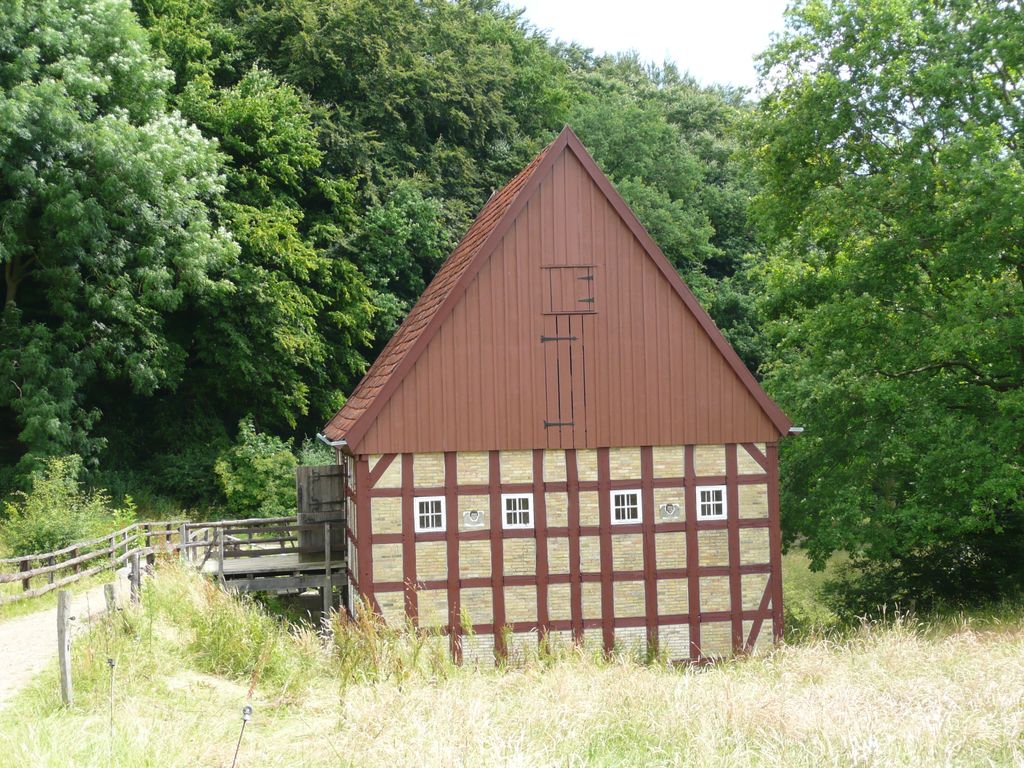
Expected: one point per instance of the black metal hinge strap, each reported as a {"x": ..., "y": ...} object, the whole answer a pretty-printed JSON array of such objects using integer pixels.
[
  {"x": 558, "y": 424},
  {"x": 557, "y": 338}
]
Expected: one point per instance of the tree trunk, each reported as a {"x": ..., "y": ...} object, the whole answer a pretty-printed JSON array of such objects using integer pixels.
[{"x": 11, "y": 281}]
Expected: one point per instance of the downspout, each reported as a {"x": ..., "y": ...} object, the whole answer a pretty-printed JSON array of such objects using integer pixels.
[{"x": 332, "y": 443}]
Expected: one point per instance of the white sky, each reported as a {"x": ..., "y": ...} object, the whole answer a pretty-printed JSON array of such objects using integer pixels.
[{"x": 715, "y": 40}]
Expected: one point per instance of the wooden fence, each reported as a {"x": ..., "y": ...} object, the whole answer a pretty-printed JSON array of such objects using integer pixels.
[
  {"x": 198, "y": 543},
  {"x": 87, "y": 558}
]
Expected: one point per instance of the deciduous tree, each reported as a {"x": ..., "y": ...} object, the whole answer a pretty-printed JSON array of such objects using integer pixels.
[
  {"x": 890, "y": 146},
  {"x": 105, "y": 223}
]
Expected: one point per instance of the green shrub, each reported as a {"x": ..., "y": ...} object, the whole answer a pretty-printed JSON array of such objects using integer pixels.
[
  {"x": 313, "y": 453},
  {"x": 258, "y": 474},
  {"x": 58, "y": 510}
]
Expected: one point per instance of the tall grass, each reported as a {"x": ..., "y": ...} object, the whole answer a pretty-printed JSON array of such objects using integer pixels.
[{"x": 892, "y": 693}]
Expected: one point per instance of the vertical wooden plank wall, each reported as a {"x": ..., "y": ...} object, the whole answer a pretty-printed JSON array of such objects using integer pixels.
[{"x": 629, "y": 352}]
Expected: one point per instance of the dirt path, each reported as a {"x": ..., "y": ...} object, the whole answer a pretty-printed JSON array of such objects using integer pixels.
[{"x": 28, "y": 643}]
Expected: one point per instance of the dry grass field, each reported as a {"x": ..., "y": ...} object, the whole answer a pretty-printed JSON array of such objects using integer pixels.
[{"x": 893, "y": 694}]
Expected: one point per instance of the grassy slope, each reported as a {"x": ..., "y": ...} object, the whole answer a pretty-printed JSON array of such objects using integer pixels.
[{"x": 898, "y": 695}]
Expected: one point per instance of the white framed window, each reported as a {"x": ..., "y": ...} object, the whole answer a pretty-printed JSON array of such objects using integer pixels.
[
  {"x": 711, "y": 502},
  {"x": 430, "y": 513},
  {"x": 517, "y": 510},
  {"x": 626, "y": 507}
]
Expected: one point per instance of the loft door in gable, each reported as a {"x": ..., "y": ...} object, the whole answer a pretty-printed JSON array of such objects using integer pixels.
[{"x": 569, "y": 306}]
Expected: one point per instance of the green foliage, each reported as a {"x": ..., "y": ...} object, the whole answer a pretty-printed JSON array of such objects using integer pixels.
[
  {"x": 313, "y": 453},
  {"x": 58, "y": 511},
  {"x": 239, "y": 232},
  {"x": 402, "y": 242},
  {"x": 673, "y": 149},
  {"x": 257, "y": 474},
  {"x": 291, "y": 332},
  {"x": 805, "y": 600},
  {"x": 457, "y": 90},
  {"x": 889, "y": 146},
  {"x": 107, "y": 231}
]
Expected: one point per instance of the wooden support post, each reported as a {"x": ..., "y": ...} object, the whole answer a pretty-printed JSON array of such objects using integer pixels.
[
  {"x": 135, "y": 577},
  {"x": 26, "y": 565},
  {"x": 64, "y": 646},
  {"x": 183, "y": 551},
  {"x": 108, "y": 595},
  {"x": 51, "y": 560},
  {"x": 220, "y": 554},
  {"x": 150, "y": 553},
  {"x": 328, "y": 589},
  {"x": 74, "y": 554}
]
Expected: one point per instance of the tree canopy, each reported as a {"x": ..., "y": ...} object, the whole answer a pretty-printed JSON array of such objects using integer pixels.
[
  {"x": 109, "y": 228},
  {"x": 292, "y": 176},
  {"x": 889, "y": 144}
]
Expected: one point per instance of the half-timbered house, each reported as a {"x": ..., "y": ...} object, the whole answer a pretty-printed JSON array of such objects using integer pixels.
[{"x": 559, "y": 443}]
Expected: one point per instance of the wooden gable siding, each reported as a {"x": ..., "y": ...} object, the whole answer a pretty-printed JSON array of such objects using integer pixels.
[{"x": 643, "y": 370}]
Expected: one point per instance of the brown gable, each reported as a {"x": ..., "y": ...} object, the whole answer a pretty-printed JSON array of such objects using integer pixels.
[
  {"x": 557, "y": 322},
  {"x": 418, "y": 320}
]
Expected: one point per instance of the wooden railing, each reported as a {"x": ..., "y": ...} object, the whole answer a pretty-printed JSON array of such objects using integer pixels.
[
  {"x": 252, "y": 537},
  {"x": 87, "y": 558},
  {"x": 195, "y": 542},
  {"x": 258, "y": 537}
]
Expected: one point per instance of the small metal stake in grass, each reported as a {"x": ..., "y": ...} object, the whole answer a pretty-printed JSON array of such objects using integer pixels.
[
  {"x": 246, "y": 714},
  {"x": 111, "y": 663}
]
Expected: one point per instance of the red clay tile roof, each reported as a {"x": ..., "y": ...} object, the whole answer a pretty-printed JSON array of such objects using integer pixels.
[{"x": 433, "y": 297}]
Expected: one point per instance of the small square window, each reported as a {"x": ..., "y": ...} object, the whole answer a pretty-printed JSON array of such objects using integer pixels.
[
  {"x": 625, "y": 507},
  {"x": 517, "y": 510},
  {"x": 711, "y": 502},
  {"x": 430, "y": 514}
]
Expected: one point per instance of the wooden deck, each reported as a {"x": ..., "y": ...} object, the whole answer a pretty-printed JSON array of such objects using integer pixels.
[
  {"x": 275, "y": 555},
  {"x": 282, "y": 572}
]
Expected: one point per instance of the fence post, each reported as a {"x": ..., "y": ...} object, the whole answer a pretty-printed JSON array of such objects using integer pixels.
[
  {"x": 183, "y": 541},
  {"x": 64, "y": 646},
  {"x": 26, "y": 565},
  {"x": 135, "y": 577},
  {"x": 74, "y": 554},
  {"x": 150, "y": 553},
  {"x": 108, "y": 595},
  {"x": 51, "y": 560},
  {"x": 220, "y": 554}
]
